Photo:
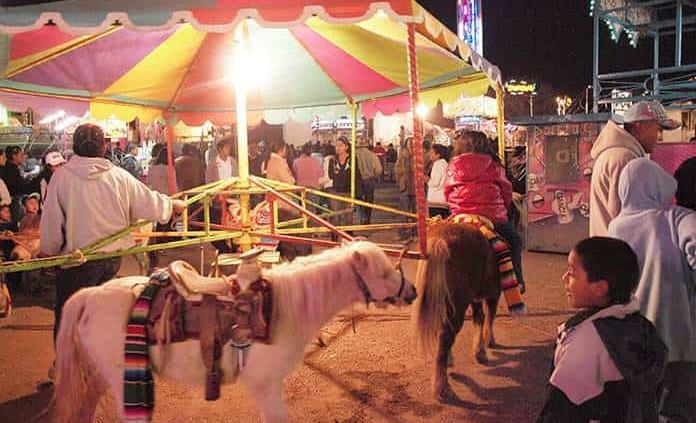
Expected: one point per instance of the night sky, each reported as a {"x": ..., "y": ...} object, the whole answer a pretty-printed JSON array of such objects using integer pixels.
[{"x": 550, "y": 42}]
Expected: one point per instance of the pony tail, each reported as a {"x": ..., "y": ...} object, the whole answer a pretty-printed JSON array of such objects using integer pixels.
[
  {"x": 72, "y": 364},
  {"x": 434, "y": 296}
]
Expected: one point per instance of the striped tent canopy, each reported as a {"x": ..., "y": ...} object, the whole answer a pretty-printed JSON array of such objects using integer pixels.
[{"x": 129, "y": 58}]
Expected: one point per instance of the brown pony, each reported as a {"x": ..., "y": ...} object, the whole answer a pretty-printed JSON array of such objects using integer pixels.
[{"x": 461, "y": 269}]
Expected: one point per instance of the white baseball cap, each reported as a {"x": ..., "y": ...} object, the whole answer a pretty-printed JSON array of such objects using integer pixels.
[
  {"x": 650, "y": 110},
  {"x": 54, "y": 158}
]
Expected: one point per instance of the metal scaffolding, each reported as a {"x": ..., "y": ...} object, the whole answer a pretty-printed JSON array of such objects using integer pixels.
[{"x": 664, "y": 22}]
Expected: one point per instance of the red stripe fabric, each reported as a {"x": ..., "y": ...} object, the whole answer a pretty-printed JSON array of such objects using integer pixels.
[
  {"x": 291, "y": 10},
  {"x": 32, "y": 42}
]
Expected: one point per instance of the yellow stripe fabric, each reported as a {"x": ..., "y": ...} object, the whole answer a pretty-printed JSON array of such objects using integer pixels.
[
  {"x": 384, "y": 55},
  {"x": 146, "y": 80},
  {"x": 381, "y": 25},
  {"x": 470, "y": 86},
  {"x": 124, "y": 112}
]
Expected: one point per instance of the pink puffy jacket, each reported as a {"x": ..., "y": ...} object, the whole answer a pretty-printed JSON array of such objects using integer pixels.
[{"x": 477, "y": 185}]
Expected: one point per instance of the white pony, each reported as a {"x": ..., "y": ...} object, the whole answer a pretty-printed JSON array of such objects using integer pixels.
[{"x": 306, "y": 294}]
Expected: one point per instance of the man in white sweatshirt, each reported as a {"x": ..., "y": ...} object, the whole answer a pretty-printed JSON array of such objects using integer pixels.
[
  {"x": 613, "y": 149},
  {"x": 88, "y": 200}
]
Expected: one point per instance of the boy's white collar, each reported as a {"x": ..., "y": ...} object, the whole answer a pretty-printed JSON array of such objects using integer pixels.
[{"x": 619, "y": 311}]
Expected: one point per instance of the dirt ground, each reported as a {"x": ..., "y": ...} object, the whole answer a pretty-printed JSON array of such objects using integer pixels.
[{"x": 373, "y": 374}]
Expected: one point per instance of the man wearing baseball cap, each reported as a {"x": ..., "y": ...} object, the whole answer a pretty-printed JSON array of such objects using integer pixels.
[
  {"x": 88, "y": 200},
  {"x": 613, "y": 149},
  {"x": 52, "y": 162}
]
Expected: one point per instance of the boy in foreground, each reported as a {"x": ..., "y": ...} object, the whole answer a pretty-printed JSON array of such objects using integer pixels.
[{"x": 609, "y": 360}]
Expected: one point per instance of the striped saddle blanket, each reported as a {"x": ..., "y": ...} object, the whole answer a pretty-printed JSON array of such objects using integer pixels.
[{"x": 161, "y": 315}]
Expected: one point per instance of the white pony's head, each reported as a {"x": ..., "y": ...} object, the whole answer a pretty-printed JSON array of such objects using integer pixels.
[{"x": 378, "y": 279}]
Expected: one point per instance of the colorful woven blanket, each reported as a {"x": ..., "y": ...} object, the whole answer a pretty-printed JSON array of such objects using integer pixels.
[
  {"x": 508, "y": 280},
  {"x": 138, "y": 385}
]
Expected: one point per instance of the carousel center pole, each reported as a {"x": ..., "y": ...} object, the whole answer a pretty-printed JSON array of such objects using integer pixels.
[
  {"x": 353, "y": 148},
  {"x": 241, "y": 81},
  {"x": 417, "y": 145}
]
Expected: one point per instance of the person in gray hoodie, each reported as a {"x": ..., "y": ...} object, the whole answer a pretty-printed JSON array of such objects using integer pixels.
[
  {"x": 613, "y": 149},
  {"x": 88, "y": 200},
  {"x": 664, "y": 239}
]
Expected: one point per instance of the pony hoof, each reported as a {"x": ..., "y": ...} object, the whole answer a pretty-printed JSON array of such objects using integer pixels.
[
  {"x": 481, "y": 357},
  {"x": 447, "y": 396}
]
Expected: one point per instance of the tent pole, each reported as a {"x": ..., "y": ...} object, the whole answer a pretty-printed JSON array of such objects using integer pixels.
[
  {"x": 499, "y": 96},
  {"x": 421, "y": 207},
  {"x": 170, "y": 153},
  {"x": 242, "y": 139},
  {"x": 353, "y": 147}
]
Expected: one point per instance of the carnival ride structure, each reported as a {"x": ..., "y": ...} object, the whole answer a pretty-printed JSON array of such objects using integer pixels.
[
  {"x": 662, "y": 22},
  {"x": 231, "y": 62}
]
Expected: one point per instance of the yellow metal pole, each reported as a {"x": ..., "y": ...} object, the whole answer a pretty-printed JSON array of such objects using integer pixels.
[
  {"x": 499, "y": 95},
  {"x": 185, "y": 216},
  {"x": 363, "y": 203},
  {"x": 353, "y": 146},
  {"x": 242, "y": 39},
  {"x": 305, "y": 219},
  {"x": 206, "y": 215}
]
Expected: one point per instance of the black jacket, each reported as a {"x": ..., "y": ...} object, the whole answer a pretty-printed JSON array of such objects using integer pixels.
[
  {"x": 16, "y": 184},
  {"x": 640, "y": 356}
]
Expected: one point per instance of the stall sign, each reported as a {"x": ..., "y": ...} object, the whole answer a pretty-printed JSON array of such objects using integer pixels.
[{"x": 514, "y": 87}]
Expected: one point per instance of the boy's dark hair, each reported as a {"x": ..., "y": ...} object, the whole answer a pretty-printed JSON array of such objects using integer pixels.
[
  {"x": 277, "y": 145},
  {"x": 224, "y": 143},
  {"x": 441, "y": 151},
  {"x": 11, "y": 150},
  {"x": 612, "y": 260},
  {"x": 346, "y": 142},
  {"x": 307, "y": 149},
  {"x": 686, "y": 183},
  {"x": 88, "y": 141}
]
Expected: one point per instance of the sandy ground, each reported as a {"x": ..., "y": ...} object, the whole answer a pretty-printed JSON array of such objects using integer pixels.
[{"x": 371, "y": 375}]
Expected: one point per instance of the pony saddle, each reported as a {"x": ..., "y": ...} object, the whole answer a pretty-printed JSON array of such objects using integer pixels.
[
  {"x": 214, "y": 310},
  {"x": 191, "y": 285}
]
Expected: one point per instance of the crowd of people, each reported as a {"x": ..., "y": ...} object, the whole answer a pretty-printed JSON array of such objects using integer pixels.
[
  {"x": 630, "y": 354},
  {"x": 23, "y": 192}
]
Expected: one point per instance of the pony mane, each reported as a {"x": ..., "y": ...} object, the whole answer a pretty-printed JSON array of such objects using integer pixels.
[{"x": 303, "y": 288}]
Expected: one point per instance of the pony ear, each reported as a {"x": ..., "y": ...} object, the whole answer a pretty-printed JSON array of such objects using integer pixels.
[{"x": 359, "y": 259}]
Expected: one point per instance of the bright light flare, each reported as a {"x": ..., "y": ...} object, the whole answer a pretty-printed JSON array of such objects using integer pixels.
[
  {"x": 50, "y": 118},
  {"x": 422, "y": 110},
  {"x": 70, "y": 120},
  {"x": 247, "y": 69}
]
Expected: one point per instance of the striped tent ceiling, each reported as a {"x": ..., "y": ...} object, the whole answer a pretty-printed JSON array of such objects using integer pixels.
[{"x": 308, "y": 65}]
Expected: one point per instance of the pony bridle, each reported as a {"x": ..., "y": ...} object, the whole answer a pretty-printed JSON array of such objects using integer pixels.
[{"x": 362, "y": 285}]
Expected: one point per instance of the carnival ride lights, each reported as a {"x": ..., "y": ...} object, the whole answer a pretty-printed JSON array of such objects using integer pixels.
[{"x": 422, "y": 110}]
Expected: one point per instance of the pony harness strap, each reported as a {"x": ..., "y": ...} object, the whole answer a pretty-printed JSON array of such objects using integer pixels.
[{"x": 162, "y": 315}]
